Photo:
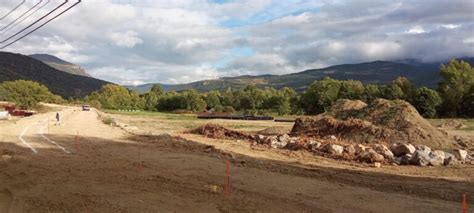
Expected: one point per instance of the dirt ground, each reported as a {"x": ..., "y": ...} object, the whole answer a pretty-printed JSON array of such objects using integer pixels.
[{"x": 87, "y": 166}]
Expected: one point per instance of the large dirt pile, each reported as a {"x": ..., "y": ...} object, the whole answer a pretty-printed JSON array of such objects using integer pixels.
[
  {"x": 217, "y": 131},
  {"x": 381, "y": 121}
]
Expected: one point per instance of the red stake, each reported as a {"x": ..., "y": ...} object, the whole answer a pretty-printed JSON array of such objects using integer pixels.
[
  {"x": 464, "y": 203},
  {"x": 139, "y": 158},
  {"x": 77, "y": 140},
  {"x": 227, "y": 178}
]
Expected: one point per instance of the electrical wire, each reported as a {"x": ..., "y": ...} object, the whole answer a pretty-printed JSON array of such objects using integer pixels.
[
  {"x": 65, "y": 1},
  {"x": 12, "y": 10},
  {"x": 56, "y": 16},
  {"x": 26, "y": 17},
  {"x": 19, "y": 17}
]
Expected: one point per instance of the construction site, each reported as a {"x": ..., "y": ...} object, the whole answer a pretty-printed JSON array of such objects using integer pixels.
[{"x": 366, "y": 158}]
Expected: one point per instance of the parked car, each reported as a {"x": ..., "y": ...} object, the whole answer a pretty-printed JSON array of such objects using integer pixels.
[{"x": 86, "y": 107}]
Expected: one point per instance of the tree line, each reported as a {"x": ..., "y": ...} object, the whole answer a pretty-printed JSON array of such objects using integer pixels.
[{"x": 454, "y": 96}]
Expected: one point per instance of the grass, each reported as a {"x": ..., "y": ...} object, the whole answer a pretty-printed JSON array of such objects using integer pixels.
[{"x": 164, "y": 115}]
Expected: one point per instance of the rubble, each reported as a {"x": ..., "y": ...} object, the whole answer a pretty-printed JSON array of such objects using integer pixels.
[
  {"x": 370, "y": 156},
  {"x": 334, "y": 149},
  {"x": 460, "y": 154},
  {"x": 402, "y": 149},
  {"x": 437, "y": 158}
]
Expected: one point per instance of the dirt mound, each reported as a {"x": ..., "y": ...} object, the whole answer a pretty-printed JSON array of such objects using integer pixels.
[
  {"x": 381, "y": 121},
  {"x": 274, "y": 130},
  {"x": 453, "y": 124},
  {"x": 217, "y": 131}
]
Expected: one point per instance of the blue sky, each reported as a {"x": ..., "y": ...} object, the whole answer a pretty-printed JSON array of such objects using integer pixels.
[{"x": 180, "y": 41}]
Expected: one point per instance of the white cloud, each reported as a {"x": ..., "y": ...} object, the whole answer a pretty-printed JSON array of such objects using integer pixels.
[
  {"x": 125, "y": 39},
  {"x": 416, "y": 30}
]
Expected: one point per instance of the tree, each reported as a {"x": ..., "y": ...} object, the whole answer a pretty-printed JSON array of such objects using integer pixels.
[
  {"x": 406, "y": 86},
  {"x": 458, "y": 79},
  {"x": 27, "y": 94},
  {"x": 320, "y": 95},
  {"x": 151, "y": 101},
  {"x": 426, "y": 101},
  {"x": 116, "y": 97},
  {"x": 468, "y": 104},
  {"x": 393, "y": 92},
  {"x": 372, "y": 92},
  {"x": 213, "y": 99},
  {"x": 157, "y": 90},
  {"x": 351, "y": 90}
]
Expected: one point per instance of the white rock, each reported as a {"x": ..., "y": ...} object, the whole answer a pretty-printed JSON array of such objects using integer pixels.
[
  {"x": 377, "y": 165},
  {"x": 449, "y": 159},
  {"x": 437, "y": 158},
  {"x": 359, "y": 148},
  {"x": 402, "y": 149},
  {"x": 460, "y": 154},
  {"x": 334, "y": 149}
]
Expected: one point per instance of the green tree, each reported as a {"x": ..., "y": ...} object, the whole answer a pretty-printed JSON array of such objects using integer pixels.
[
  {"x": 151, "y": 101},
  {"x": 406, "y": 86},
  {"x": 392, "y": 92},
  {"x": 372, "y": 92},
  {"x": 213, "y": 99},
  {"x": 157, "y": 90},
  {"x": 27, "y": 94},
  {"x": 458, "y": 79},
  {"x": 320, "y": 95},
  {"x": 351, "y": 90},
  {"x": 426, "y": 101}
]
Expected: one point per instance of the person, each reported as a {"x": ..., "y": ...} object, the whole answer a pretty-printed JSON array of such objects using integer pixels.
[{"x": 57, "y": 119}]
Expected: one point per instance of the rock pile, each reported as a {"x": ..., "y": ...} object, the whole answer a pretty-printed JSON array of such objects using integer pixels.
[{"x": 397, "y": 154}]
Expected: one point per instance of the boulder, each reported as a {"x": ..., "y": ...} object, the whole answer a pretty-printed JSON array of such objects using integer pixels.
[
  {"x": 403, "y": 160},
  {"x": 276, "y": 144},
  {"x": 385, "y": 151},
  {"x": 285, "y": 138},
  {"x": 449, "y": 159},
  {"x": 423, "y": 148},
  {"x": 420, "y": 158},
  {"x": 377, "y": 165},
  {"x": 349, "y": 149},
  {"x": 402, "y": 149},
  {"x": 260, "y": 139},
  {"x": 460, "y": 154},
  {"x": 359, "y": 148},
  {"x": 334, "y": 149},
  {"x": 314, "y": 145},
  {"x": 437, "y": 158},
  {"x": 370, "y": 156}
]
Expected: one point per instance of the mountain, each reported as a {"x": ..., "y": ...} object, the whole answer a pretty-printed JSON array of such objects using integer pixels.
[
  {"x": 60, "y": 64},
  {"x": 376, "y": 72},
  {"x": 17, "y": 66}
]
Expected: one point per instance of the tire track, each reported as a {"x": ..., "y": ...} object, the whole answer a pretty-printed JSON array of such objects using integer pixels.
[{"x": 41, "y": 132}]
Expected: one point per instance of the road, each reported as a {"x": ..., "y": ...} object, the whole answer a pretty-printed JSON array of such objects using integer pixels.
[{"x": 87, "y": 166}]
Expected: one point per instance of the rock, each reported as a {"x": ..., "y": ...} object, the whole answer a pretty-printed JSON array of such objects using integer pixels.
[
  {"x": 377, "y": 165},
  {"x": 370, "y": 156},
  {"x": 260, "y": 139},
  {"x": 359, "y": 148},
  {"x": 278, "y": 144},
  {"x": 349, "y": 149},
  {"x": 402, "y": 149},
  {"x": 460, "y": 154},
  {"x": 284, "y": 138},
  {"x": 403, "y": 160},
  {"x": 420, "y": 158},
  {"x": 424, "y": 149},
  {"x": 332, "y": 137},
  {"x": 437, "y": 158},
  {"x": 314, "y": 145},
  {"x": 334, "y": 149},
  {"x": 449, "y": 159},
  {"x": 383, "y": 150}
]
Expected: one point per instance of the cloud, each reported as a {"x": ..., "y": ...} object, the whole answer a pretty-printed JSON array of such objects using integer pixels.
[
  {"x": 125, "y": 39},
  {"x": 180, "y": 41}
]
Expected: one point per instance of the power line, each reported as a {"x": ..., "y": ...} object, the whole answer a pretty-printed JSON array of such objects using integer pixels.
[
  {"x": 65, "y": 1},
  {"x": 11, "y": 11},
  {"x": 56, "y": 16},
  {"x": 26, "y": 17},
  {"x": 19, "y": 17}
]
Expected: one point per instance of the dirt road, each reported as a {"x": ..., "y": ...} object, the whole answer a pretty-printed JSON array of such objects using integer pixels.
[{"x": 46, "y": 169}]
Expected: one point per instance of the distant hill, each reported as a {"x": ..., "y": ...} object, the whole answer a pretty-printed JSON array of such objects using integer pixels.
[
  {"x": 17, "y": 66},
  {"x": 376, "y": 72},
  {"x": 60, "y": 64}
]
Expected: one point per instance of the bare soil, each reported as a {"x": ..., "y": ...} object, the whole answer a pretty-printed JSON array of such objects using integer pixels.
[{"x": 179, "y": 172}]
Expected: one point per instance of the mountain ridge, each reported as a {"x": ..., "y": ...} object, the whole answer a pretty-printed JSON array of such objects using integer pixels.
[
  {"x": 374, "y": 72},
  {"x": 60, "y": 64}
]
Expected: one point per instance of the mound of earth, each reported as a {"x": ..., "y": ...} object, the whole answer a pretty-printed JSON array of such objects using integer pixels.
[
  {"x": 274, "y": 130},
  {"x": 453, "y": 124},
  {"x": 217, "y": 131},
  {"x": 381, "y": 121}
]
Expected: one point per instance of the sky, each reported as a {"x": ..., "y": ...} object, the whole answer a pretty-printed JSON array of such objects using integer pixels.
[{"x": 132, "y": 42}]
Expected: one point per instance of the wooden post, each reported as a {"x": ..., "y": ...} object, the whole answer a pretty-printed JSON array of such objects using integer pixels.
[
  {"x": 464, "y": 203},
  {"x": 227, "y": 178}
]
